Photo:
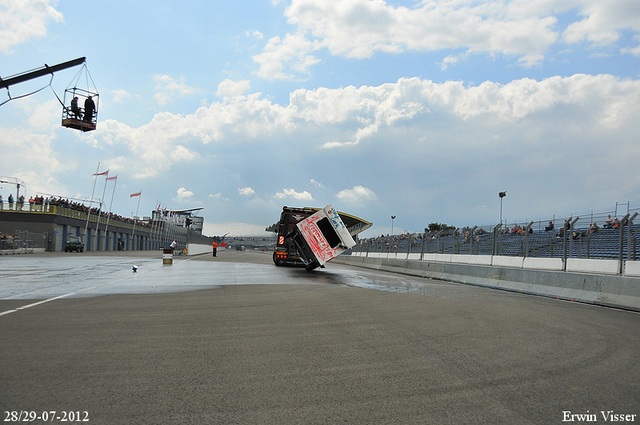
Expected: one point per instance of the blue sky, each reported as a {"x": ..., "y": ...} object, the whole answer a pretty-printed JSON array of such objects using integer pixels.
[{"x": 423, "y": 110}]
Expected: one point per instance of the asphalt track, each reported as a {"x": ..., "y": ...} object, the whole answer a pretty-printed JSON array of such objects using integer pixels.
[{"x": 236, "y": 340}]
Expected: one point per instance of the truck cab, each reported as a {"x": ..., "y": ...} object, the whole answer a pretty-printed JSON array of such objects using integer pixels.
[
  {"x": 310, "y": 237},
  {"x": 286, "y": 253}
]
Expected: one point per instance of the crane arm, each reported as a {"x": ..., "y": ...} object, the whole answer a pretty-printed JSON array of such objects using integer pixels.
[{"x": 40, "y": 72}]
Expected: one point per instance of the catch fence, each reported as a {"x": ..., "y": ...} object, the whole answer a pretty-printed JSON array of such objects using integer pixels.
[{"x": 567, "y": 237}]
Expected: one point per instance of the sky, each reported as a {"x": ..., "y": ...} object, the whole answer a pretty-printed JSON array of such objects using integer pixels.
[{"x": 422, "y": 110}]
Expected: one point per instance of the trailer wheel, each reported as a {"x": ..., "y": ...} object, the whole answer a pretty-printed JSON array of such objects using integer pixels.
[{"x": 312, "y": 266}]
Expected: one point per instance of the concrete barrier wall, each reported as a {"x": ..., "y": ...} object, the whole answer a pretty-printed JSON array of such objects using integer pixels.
[
  {"x": 601, "y": 289},
  {"x": 632, "y": 268},
  {"x": 578, "y": 265},
  {"x": 195, "y": 249},
  {"x": 554, "y": 264},
  {"x": 593, "y": 266},
  {"x": 502, "y": 261},
  {"x": 480, "y": 260}
]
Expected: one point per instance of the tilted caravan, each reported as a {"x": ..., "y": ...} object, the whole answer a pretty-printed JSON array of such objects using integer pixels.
[{"x": 310, "y": 237}]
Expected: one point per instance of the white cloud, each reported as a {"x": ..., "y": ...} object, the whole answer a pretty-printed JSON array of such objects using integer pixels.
[
  {"x": 316, "y": 183},
  {"x": 449, "y": 60},
  {"x": 119, "y": 96},
  {"x": 180, "y": 153},
  {"x": 350, "y": 116},
  {"x": 168, "y": 88},
  {"x": 291, "y": 193},
  {"x": 21, "y": 21},
  {"x": 358, "y": 194},
  {"x": 24, "y": 154},
  {"x": 229, "y": 88},
  {"x": 184, "y": 194},
  {"x": 294, "y": 48},
  {"x": 360, "y": 28},
  {"x": 635, "y": 51},
  {"x": 604, "y": 21},
  {"x": 44, "y": 116},
  {"x": 247, "y": 191}
]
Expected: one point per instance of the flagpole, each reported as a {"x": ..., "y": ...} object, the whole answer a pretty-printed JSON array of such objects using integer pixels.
[
  {"x": 86, "y": 225},
  {"x": 100, "y": 210},
  {"x": 133, "y": 236},
  {"x": 155, "y": 234},
  {"x": 106, "y": 229}
]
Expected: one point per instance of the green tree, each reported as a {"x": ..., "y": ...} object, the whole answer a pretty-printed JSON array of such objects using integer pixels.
[{"x": 436, "y": 227}]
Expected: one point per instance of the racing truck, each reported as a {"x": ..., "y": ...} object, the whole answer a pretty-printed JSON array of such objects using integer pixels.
[{"x": 310, "y": 237}]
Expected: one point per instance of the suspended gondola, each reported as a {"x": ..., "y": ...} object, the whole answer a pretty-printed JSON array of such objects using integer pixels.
[{"x": 80, "y": 104}]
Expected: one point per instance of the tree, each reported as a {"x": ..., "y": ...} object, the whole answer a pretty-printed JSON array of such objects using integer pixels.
[{"x": 436, "y": 227}]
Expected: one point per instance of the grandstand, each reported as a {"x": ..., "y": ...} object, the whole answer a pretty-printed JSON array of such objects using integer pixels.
[{"x": 579, "y": 242}]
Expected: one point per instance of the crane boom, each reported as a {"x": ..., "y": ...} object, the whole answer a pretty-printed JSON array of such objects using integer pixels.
[
  {"x": 18, "y": 183},
  {"x": 40, "y": 72}
]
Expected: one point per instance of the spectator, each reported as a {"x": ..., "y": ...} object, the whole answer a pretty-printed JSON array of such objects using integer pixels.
[
  {"x": 549, "y": 226},
  {"x": 616, "y": 223},
  {"x": 593, "y": 228},
  {"x": 608, "y": 223}
]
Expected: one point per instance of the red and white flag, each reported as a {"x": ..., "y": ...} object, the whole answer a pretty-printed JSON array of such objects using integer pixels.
[
  {"x": 135, "y": 194},
  {"x": 113, "y": 178},
  {"x": 105, "y": 173}
]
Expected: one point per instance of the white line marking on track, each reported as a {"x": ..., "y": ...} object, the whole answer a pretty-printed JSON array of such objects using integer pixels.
[{"x": 24, "y": 307}]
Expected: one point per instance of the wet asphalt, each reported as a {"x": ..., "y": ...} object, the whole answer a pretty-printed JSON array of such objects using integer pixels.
[{"x": 236, "y": 340}]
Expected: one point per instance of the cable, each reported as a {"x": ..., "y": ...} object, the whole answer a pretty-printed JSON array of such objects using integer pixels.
[{"x": 29, "y": 94}]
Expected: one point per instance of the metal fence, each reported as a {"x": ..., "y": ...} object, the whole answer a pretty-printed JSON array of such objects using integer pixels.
[
  {"x": 23, "y": 240},
  {"x": 568, "y": 237}
]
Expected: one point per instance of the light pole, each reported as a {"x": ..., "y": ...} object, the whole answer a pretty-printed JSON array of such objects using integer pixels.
[
  {"x": 392, "y": 218},
  {"x": 501, "y": 195}
]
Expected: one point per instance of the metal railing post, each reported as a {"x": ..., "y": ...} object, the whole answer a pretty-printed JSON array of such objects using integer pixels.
[
  {"x": 565, "y": 229},
  {"x": 621, "y": 248},
  {"x": 471, "y": 239},
  {"x": 526, "y": 239},
  {"x": 630, "y": 237},
  {"x": 495, "y": 239},
  {"x": 571, "y": 224}
]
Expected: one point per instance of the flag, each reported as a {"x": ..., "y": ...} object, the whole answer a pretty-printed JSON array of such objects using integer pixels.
[
  {"x": 113, "y": 178},
  {"x": 135, "y": 194},
  {"x": 106, "y": 173}
]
